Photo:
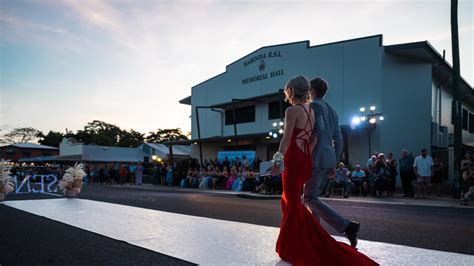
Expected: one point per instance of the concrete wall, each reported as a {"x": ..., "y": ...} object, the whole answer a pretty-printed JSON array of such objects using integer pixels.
[
  {"x": 446, "y": 111},
  {"x": 352, "y": 69},
  {"x": 406, "y": 106}
]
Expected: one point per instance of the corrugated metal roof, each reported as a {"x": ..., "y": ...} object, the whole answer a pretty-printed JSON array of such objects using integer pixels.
[
  {"x": 31, "y": 146},
  {"x": 112, "y": 154},
  {"x": 178, "y": 150}
]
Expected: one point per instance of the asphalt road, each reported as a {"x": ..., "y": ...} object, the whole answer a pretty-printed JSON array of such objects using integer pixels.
[
  {"x": 439, "y": 228},
  {"x": 34, "y": 240}
]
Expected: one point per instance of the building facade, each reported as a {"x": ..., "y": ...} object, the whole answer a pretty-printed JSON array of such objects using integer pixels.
[
  {"x": 409, "y": 84},
  {"x": 15, "y": 152}
]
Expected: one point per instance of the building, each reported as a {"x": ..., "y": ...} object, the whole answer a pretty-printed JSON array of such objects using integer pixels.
[
  {"x": 72, "y": 151},
  {"x": 409, "y": 84},
  {"x": 15, "y": 152}
]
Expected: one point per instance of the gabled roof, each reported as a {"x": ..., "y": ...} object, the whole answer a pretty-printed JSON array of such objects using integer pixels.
[{"x": 30, "y": 146}]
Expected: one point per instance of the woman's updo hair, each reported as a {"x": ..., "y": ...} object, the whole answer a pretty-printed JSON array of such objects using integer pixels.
[{"x": 300, "y": 86}]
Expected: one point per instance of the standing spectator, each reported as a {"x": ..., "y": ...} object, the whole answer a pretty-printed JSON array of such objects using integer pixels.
[
  {"x": 123, "y": 174},
  {"x": 226, "y": 163},
  {"x": 406, "y": 173},
  {"x": 112, "y": 174},
  {"x": 101, "y": 175},
  {"x": 371, "y": 173},
  {"x": 382, "y": 175},
  {"x": 169, "y": 175},
  {"x": 131, "y": 174},
  {"x": 359, "y": 179},
  {"x": 341, "y": 178},
  {"x": 423, "y": 167},
  {"x": 437, "y": 179},
  {"x": 245, "y": 162},
  {"x": 392, "y": 169},
  {"x": 237, "y": 163},
  {"x": 139, "y": 174},
  {"x": 256, "y": 164}
]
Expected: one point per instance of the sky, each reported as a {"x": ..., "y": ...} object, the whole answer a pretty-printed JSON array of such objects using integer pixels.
[{"x": 64, "y": 63}]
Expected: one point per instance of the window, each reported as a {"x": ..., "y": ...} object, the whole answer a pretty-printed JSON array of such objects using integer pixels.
[
  {"x": 274, "y": 109},
  {"x": 471, "y": 122},
  {"x": 242, "y": 115},
  {"x": 465, "y": 117},
  {"x": 26, "y": 154}
]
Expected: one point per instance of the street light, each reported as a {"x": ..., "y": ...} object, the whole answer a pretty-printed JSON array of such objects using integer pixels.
[
  {"x": 367, "y": 120},
  {"x": 356, "y": 120},
  {"x": 278, "y": 129}
]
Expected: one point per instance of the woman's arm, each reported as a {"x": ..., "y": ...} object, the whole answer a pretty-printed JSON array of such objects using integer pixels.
[
  {"x": 313, "y": 143},
  {"x": 290, "y": 121}
]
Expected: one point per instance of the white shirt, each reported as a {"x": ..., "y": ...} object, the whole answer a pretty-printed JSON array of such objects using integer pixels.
[{"x": 423, "y": 165}]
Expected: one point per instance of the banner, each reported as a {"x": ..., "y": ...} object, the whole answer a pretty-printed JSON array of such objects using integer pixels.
[{"x": 232, "y": 155}]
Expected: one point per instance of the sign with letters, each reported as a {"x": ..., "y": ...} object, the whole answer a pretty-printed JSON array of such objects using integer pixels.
[
  {"x": 260, "y": 58},
  {"x": 36, "y": 184}
]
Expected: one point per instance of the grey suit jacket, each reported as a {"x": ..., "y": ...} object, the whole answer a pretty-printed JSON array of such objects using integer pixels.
[{"x": 326, "y": 128}]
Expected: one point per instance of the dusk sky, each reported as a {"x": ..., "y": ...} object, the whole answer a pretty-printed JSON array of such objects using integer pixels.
[{"x": 66, "y": 63}]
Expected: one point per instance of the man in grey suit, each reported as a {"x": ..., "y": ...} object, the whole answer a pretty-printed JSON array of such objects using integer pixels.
[{"x": 325, "y": 159}]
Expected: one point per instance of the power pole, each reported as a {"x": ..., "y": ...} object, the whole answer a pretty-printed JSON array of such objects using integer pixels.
[{"x": 456, "y": 88}]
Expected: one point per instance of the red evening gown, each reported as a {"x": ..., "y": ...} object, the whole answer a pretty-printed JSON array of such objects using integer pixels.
[{"x": 302, "y": 239}]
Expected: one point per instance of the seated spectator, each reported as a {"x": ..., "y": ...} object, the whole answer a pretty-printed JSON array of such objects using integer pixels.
[
  {"x": 238, "y": 182},
  {"x": 249, "y": 182},
  {"x": 467, "y": 184},
  {"x": 187, "y": 181},
  {"x": 195, "y": 179},
  {"x": 341, "y": 179},
  {"x": 359, "y": 179},
  {"x": 275, "y": 184},
  {"x": 206, "y": 181},
  {"x": 232, "y": 178},
  {"x": 221, "y": 178},
  {"x": 381, "y": 174}
]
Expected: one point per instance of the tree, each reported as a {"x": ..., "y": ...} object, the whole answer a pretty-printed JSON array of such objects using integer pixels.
[
  {"x": 100, "y": 133},
  {"x": 20, "y": 135},
  {"x": 130, "y": 138},
  {"x": 51, "y": 139},
  {"x": 166, "y": 135}
]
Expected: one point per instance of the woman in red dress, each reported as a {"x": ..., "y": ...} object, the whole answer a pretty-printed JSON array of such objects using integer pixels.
[{"x": 302, "y": 239}]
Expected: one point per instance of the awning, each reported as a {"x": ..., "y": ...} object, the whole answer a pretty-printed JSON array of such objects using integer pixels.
[
  {"x": 186, "y": 100},
  {"x": 275, "y": 96},
  {"x": 218, "y": 139}
]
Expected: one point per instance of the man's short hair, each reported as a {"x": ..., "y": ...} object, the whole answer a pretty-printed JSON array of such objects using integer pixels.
[{"x": 320, "y": 86}]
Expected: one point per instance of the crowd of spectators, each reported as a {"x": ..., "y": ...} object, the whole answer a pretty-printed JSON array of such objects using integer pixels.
[{"x": 420, "y": 176}]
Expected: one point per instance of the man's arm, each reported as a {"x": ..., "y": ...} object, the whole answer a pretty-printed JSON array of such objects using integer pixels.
[{"x": 318, "y": 118}]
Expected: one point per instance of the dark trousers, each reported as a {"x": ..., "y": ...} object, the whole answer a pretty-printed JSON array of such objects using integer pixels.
[{"x": 406, "y": 177}]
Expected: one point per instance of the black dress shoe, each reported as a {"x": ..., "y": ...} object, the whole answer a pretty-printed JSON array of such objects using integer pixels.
[{"x": 351, "y": 232}]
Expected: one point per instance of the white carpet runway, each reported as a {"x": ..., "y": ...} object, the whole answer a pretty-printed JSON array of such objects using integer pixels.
[{"x": 206, "y": 241}]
